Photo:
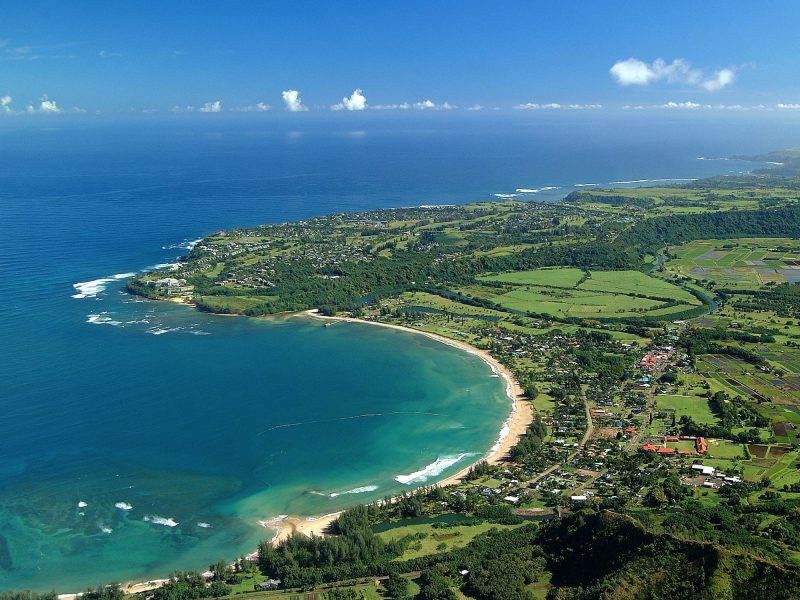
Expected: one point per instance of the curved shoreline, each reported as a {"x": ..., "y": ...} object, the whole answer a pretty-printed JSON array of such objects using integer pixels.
[
  {"x": 515, "y": 425},
  {"x": 513, "y": 428}
]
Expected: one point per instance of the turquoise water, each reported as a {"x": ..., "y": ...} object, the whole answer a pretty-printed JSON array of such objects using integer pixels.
[
  {"x": 181, "y": 431},
  {"x": 227, "y": 422}
]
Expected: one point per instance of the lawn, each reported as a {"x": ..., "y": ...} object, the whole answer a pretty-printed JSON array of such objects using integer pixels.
[{"x": 693, "y": 406}]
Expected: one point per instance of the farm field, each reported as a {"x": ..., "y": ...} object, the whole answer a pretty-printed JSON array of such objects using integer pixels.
[{"x": 743, "y": 263}]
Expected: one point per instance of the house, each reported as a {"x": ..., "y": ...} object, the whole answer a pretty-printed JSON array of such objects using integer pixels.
[
  {"x": 580, "y": 498},
  {"x": 704, "y": 469},
  {"x": 269, "y": 584},
  {"x": 511, "y": 499}
]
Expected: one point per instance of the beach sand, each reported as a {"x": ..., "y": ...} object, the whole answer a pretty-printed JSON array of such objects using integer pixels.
[{"x": 515, "y": 426}]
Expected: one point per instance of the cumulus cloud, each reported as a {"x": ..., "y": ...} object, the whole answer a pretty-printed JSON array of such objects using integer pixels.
[
  {"x": 633, "y": 71},
  {"x": 475, "y": 107},
  {"x": 356, "y": 101},
  {"x": 211, "y": 107},
  {"x": 5, "y": 104},
  {"x": 556, "y": 106},
  {"x": 292, "y": 100},
  {"x": 46, "y": 106},
  {"x": 721, "y": 79},
  {"x": 783, "y": 106},
  {"x": 257, "y": 107}
]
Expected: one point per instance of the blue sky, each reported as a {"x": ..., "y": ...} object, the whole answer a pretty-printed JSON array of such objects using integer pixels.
[{"x": 207, "y": 57}]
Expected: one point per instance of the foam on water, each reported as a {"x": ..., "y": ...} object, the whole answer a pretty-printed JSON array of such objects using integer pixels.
[
  {"x": 90, "y": 289},
  {"x": 184, "y": 245},
  {"x": 102, "y": 319},
  {"x": 163, "y": 330},
  {"x": 437, "y": 467},
  {"x": 204, "y": 525},
  {"x": 123, "y": 506},
  {"x": 156, "y": 520},
  {"x": 358, "y": 490}
]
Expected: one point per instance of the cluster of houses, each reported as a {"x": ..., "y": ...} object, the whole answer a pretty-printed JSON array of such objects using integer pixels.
[
  {"x": 708, "y": 477},
  {"x": 171, "y": 287}
]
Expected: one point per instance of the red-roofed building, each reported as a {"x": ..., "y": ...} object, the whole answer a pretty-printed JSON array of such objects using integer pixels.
[
  {"x": 700, "y": 445},
  {"x": 630, "y": 429},
  {"x": 649, "y": 448},
  {"x": 666, "y": 450}
]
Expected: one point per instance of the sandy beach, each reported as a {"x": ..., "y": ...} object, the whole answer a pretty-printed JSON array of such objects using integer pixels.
[{"x": 514, "y": 427}]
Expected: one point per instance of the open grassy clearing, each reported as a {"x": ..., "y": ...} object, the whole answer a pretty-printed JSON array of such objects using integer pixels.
[
  {"x": 557, "y": 277},
  {"x": 695, "y": 407},
  {"x": 234, "y": 304},
  {"x": 435, "y": 539}
]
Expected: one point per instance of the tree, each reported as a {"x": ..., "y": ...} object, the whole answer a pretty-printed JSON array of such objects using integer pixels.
[
  {"x": 434, "y": 586},
  {"x": 397, "y": 586},
  {"x": 220, "y": 570}
]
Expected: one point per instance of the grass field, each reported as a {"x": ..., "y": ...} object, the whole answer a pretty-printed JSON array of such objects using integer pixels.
[
  {"x": 570, "y": 292},
  {"x": 234, "y": 304},
  {"x": 558, "y": 277},
  {"x": 436, "y": 539},
  {"x": 693, "y": 406}
]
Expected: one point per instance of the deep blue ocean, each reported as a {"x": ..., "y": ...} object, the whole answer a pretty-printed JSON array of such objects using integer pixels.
[{"x": 140, "y": 437}]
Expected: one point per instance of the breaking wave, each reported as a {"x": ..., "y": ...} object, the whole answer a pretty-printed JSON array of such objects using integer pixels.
[
  {"x": 156, "y": 520},
  {"x": 437, "y": 467},
  {"x": 358, "y": 490},
  {"x": 90, "y": 289}
]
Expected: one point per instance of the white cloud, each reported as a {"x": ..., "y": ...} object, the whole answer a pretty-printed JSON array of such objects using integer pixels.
[
  {"x": 475, "y": 107},
  {"x": 107, "y": 54},
  {"x": 721, "y": 79},
  {"x": 211, "y": 107},
  {"x": 402, "y": 106},
  {"x": 356, "y": 101},
  {"x": 257, "y": 107},
  {"x": 46, "y": 106},
  {"x": 790, "y": 106},
  {"x": 430, "y": 105},
  {"x": 633, "y": 71},
  {"x": 689, "y": 105},
  {"x": 182, "y": 109},
  {"x": 292, "y": 100},
  {"x": 421, "y": 105},
  {"x": 5, "y": 104},
  {"x": 556, "y": 106}
]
